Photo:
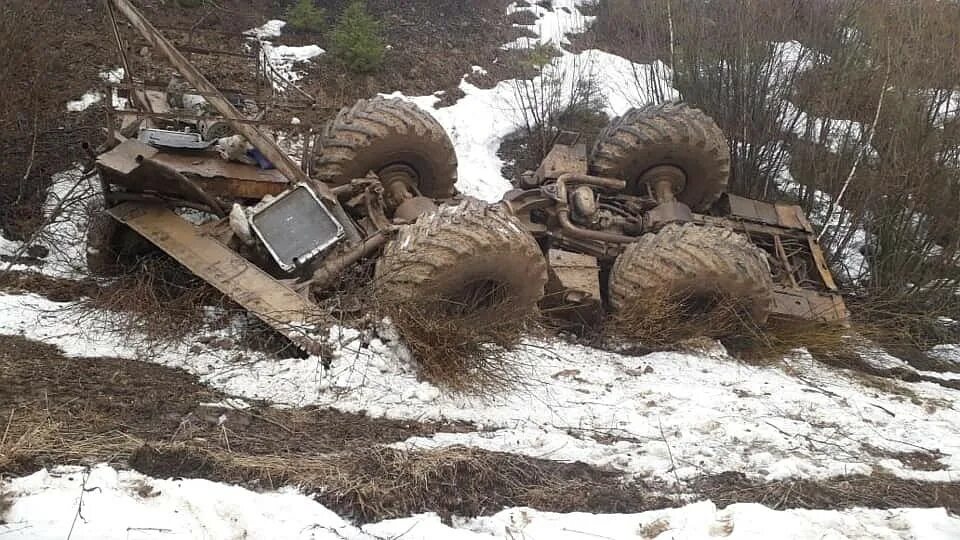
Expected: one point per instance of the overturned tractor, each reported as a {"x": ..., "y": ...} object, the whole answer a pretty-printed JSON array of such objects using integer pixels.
[{"x": 585, "y": 234}]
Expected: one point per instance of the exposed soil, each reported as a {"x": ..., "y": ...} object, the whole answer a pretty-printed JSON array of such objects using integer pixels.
[
  {"x": 54, "y": 59},
  {"x": 373, "y": 484},
  {"x": 874, "y": 491},
  {"x": 51, "y": 288},
  {"x": 83, "y": 399},
  {"x": 433, "y": 44},
  {"x": 81, "y": 411}
]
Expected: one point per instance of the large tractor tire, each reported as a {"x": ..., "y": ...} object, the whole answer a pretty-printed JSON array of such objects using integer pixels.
[
  {"x": 469, "y": 260},
  {"x": 666, "y": 134},
  {"x": 703, "y": 267},
  {"x": 377, "y": 133}
]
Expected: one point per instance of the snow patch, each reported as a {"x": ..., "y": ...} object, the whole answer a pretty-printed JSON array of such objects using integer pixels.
[
  {"x": 552, "y": 24},
  {"x": 282, "y": 59},
  {"x": 128, "y": 505},
  {"x": 698, "y": 520},
  {"x": 85, "y": 101}
]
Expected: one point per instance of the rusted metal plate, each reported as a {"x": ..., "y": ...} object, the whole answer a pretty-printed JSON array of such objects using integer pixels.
[
  {"x": 749, "y": 209},
  {"x": 821, "y": 262},
  {"x": 563, "y": 159},
  {"x": 122, "y": 159},
  {"x": 215, "y": 175},
  {"x": 778, "y": 215},
  {"x": 573, "y": 290},
  {"x": 157, "y": 100},
  {"x": 791, "y": 217},
  {"x": 576, "y": 272},
  {"x": 809, "y": 305},
  {"x": 270, "y": 300},
  {"x": 225, "y": 178}
]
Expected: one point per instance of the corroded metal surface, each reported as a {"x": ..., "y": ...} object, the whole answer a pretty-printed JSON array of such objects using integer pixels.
[
  {"x": 270, "y": 300},
  {"x": 214, "y": 175}
]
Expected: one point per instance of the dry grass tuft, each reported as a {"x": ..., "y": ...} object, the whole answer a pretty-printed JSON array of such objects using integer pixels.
[
  {"x": 780, "y": 338},
  {"x": 458, "y": 350},
  {"x": 35, "y": 437},
  {"x": 159, "y": 299},
  {"x": 875, "y": 491},
  {"x": 665, "y": 321}
]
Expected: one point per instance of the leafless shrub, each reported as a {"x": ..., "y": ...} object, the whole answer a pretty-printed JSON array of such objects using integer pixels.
[{"x": 565, "y": 95}]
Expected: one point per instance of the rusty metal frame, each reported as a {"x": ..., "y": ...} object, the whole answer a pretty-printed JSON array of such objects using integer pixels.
[{"x": 267, "y": 146}]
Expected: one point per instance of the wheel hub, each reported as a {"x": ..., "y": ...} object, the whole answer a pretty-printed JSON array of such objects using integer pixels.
[
  {"x": 400, "y": 182},
  {"x": 665, "y": 182}
]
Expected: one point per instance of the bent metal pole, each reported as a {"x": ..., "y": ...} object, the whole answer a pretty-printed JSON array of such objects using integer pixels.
[{"x": 266, "y": 145}]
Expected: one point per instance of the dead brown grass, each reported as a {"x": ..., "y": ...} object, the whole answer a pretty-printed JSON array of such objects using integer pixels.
[
  {"x": 34, "y": 436},
  {"x": 458, "y": 351},
  {"x": 875, "y": 491},
  {"x": 52, "y": 288},
  {"x": 379, "y": 483},
  {"x": 780, "y": 338},
  {"x": 665, "y": 321},
  {"x": 158, "y": 299}
]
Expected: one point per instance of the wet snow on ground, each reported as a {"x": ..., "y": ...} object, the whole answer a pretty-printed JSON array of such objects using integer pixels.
[
  {"x": 670, "y": 414},
  {"x": 101, "y": 503},
  {"x": 665, "y": 415}
]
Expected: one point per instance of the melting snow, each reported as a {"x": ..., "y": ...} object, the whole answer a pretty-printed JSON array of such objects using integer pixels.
[
  {"x": 552, "y": 24},
  {"x": 126, "y": 505},
  {"x": 282, "y": 58},
  {"x": 85, "y": 101},
  {"x": 665, "y": 415}
]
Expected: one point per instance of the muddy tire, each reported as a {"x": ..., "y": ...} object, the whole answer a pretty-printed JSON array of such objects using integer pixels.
[
  {"x": 666, "y": 134},
  {"x": 377, "y": 133},
  {"x": 471, "y": 260},
  {"x": 699, "y": 264}
]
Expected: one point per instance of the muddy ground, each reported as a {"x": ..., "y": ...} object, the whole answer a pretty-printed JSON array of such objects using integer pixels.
[{"x": 165, "y": 423}]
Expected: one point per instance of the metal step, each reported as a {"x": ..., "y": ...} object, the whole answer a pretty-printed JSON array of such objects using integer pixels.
[{"x": 246, "y": 284}]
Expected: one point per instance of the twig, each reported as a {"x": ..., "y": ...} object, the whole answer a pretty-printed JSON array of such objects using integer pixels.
[
  {"x": 55, "y": 213},
  {"x": 33, "y": 154},
  {"x": 856, "y": 162},
  {"x": 6, "y": 431},
  {"x": 83, "y": 489},
  {"x": 673, "y": 464}
]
